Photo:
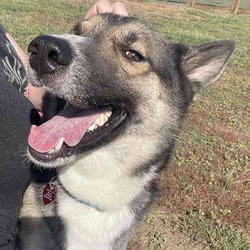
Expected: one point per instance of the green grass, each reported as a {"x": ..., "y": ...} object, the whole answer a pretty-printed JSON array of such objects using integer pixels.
[
  {"x": 210, "y": 170},
  {"x": 197, "y": 27},
  {"x": 30, "y": 18},
  {"x": 213, "y": 236},
  {"x": 244, "y": 4}
]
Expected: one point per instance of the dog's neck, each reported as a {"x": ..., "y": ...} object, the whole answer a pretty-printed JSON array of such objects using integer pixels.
[{"x": 86, "y": 203}]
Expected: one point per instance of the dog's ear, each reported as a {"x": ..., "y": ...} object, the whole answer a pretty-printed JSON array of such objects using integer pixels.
[{"x": 204, "y": 64}]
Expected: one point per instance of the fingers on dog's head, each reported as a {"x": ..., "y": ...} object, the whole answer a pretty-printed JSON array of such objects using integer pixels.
[
  {"x": 119, "y": 9},
  {"x": 103, "y": 6}
]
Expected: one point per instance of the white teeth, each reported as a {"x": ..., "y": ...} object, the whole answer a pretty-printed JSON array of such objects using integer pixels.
[
  {"x": 92, "y": 127},
  {"x": 57, "y": 147},
  {"x": 108, "y": 113},
  {"x": 101, "y": 120}
]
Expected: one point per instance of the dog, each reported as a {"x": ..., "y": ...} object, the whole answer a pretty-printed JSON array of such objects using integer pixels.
[{"x": 119, "y": 93}]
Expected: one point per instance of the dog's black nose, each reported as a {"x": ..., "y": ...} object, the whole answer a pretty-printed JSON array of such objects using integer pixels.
[{"x": 49, "y": 53}]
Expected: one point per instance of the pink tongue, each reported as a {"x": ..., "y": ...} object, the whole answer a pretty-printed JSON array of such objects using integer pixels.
[{"x": 69, "y": 125}]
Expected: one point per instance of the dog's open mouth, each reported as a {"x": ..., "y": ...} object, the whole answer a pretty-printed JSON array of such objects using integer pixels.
[{"x": 70, "y": 129}]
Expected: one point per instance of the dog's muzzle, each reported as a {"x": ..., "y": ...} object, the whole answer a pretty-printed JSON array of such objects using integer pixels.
[
  {"x": 48, "y": 54},
  {"x": 71, "y": 128}
]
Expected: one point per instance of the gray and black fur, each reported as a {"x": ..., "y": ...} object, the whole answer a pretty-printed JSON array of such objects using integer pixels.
[{"x": 111, "y": 60}]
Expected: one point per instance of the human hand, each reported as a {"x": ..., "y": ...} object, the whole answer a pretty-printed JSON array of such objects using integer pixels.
[{"x": 104, "y": 6}]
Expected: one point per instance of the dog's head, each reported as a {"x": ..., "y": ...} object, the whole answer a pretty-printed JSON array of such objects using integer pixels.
[{"x": 125, "y": 88}]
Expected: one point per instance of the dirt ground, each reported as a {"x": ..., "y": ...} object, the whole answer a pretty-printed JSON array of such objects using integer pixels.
[
  {"x": 172, "y": 239},
  {"x": 171, "y": 7}
]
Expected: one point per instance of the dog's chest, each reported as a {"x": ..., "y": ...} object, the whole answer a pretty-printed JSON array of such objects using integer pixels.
[{"x": 88, "y": 228}]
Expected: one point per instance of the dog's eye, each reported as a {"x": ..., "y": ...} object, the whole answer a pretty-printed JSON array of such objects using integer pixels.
[{"x": 133, "y": 55}]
